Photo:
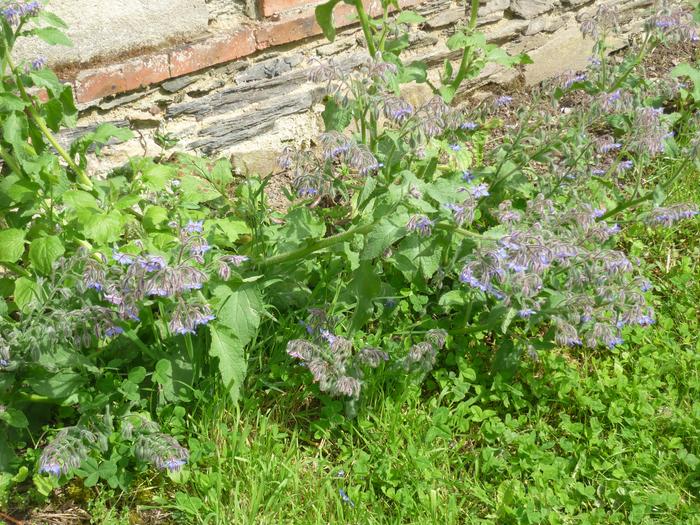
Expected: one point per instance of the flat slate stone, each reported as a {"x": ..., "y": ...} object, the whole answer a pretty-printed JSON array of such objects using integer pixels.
[
  {"x": 531, "y": 8},
  {"x": 271, "y": 68},
  {"x": 232, "y": 130}
]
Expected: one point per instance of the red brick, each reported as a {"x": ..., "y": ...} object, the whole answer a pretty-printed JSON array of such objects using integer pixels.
[
  {"x": 100, "y": 82},
  {"x": 144, "y": 71},
  {"x": 211, "y": 51},
  {"x": 273, "y": 7},
  {"x": 300, "y": 26}
]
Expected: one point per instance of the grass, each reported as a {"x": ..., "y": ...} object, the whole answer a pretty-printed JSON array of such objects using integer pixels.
[{"x": 575, "y": 437}]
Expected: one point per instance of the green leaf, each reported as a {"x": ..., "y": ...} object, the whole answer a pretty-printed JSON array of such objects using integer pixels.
[
  {"x": 238, "y": 319},
  {"x": 222, "y": 173},
  {"x": 11, "y": 245},
  {"x": 51, "y": 19},
  {"x": 336, "y": 117},
  {"x": 410, "y": 17},
  {"x": 14, "y": 130},
  {"x": 155, "y": 218},
  {"x": 448, "y": 93},
  {"x": 686, "y": 70},
  {"x": 44, "y": 251},
  {"x": 52, "y": 36},
  {"x": 14, "y": 418},
  {"x": 63, "y": 385},
  {"x": 385, "y": 233},
  {"x": 137, "y": 375},
  {"x": 233, "y": 364},
  {"x": 47, "y": 79},
  {"x": 10, "y": 102},
  {"x": 27, "y": 293},
  {"x": 365, "y": 286},
  {"x": 324, "y": 17},
  {"x": 158, "y": 176},
  {"x": 104, "y": 228},
  {"x": 78, "y": 199},
  {"x": 414, "y": 72},
  {"x": 507, "y": 359}
]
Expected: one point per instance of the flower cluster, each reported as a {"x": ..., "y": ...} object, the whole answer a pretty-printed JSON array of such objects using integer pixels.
[
  {"x": 153, "y": 446},
  {"x": 421, "y": 356},
  {"x": 649, "y": 132},
  {"x": 674, "y": 24},
  {"x": 463, "y": 212},
  {"x": 136, "y": 278},
  {"x": 15, "y": 12},
  {"x": 670, "y": 214},
  {"x": 605, "y": 19},
  {"x": 66, "y": 451},
  {"x": 557, "y": 262},
  {"x": 331, "y": 360}
]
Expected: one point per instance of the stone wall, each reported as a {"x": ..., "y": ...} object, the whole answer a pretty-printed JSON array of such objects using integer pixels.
[{"x": 239, "y": 86}]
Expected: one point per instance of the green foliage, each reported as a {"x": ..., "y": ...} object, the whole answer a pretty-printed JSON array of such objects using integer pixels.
[{"x": 155, "y": 306}]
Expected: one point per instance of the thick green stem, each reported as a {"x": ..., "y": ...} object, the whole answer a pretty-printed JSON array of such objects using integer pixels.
[
  {"x": 83, "y": 179},
  {"x": 327, "y": 242},
  {"x": 364, "y": 22},
  {"x": 10, "y": 161},
  {"x": 316, "y": 245},
  {"x": 474, "y": 14},
  {"x": 646, "y": 197}
]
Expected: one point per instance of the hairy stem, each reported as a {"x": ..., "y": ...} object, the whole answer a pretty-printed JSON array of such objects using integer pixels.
[{"x": 364, "y": 22}]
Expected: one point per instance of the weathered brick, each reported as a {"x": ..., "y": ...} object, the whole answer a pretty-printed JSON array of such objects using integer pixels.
[
  {"x": 100, "y": 82},
  {"x": 144, "y": 71},
  {"x": 211, "y": 51},
  {"x": 274, "y": 7},
  {"x": 303, "y": 25}
]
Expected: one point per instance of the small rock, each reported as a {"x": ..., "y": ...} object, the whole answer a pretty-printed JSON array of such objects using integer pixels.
[
  {"x": 529, "y": 9},
  {"x": 176, "y": 84},
  {"x": 446, "y": 18},
  {"x": 271, "y": 68},
  {"x": 492, "y": 6},
  {"x": 535, "y": 26}
]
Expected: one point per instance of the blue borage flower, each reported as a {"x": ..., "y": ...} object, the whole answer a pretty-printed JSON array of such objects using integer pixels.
[
  {"x": 13, "y": 13},
  {"x": 346, "y": 498},
  {"x": 668, "y": 215},
  {"x": 68, "y": 449},
  {"x": 572, "y": 78},
  {"x": 194, "y": 227},
  {"x": 421, "y": 224},
  {"x": 161, "y": 450},
  {"x": 503, "y": 100},
  {"x": 469, "y": 126},
  {"x": 397, "y": 109},
  {"x": 625, "y": 165},
  {"x": 123, "y": 258},
  {"x": 609, "y": 146},
  {"x": 480, "y": 190}
]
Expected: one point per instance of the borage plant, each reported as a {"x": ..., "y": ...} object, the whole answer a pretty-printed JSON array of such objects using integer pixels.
[{"x": 517, "y": 242}]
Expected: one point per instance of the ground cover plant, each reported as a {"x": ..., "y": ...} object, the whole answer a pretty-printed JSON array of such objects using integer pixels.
[{"x": 453, "y": 321}]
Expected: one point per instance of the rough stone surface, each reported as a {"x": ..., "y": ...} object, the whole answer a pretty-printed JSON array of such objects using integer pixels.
[
  {"x": 446, "y": 18},
  {"x": 568, "y": 45},
  {"x": 270, "y": 68},
  {"x": 227, "y": 132},
  {"x": 101, "y": 28},
  {"x": 531, "y": 8},
  {"x": 242, "y": 89},
  {"x": 492, "y": 6}
]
